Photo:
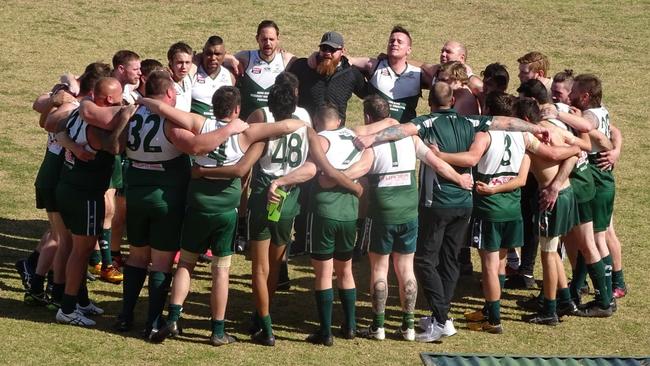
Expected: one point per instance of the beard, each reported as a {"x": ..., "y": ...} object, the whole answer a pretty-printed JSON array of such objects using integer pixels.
[{"x": 327, "y": 66}]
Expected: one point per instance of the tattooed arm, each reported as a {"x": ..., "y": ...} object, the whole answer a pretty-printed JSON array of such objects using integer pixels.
[
  {"x": 392, "y": 133},
  {"x": 516, "y": 124}
]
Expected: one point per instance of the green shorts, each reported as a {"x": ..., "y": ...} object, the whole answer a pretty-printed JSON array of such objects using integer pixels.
[
  {"x": 562, "y": 218},
  {"x": 157, "y": 226},
  {"x": 491, "y": 236},
  {"x": 602, "y": 207},
  {"x": 215, "y": 231},
  {"x": 585, "y": 213},
  {"x": 116, "y": 177},
  {"x": 260, "y": 228},
  {"x": 400, "y": 238},
  {"x": 82, "y": 211},
  {"x": 328, "y": 238}
]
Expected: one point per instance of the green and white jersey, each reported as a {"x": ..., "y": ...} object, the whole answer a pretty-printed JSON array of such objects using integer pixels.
[
  {"x": 401, "y": 91},
  {"x": 286, "y": 153},
  {"x": 499, "y": 165},
  {"x": 452, "y": 133},
  {"x": 257, "y": 80},
  {"x": 216, "y": 195},
  {"x": 337, "y": 203},
  {"x": 393, "y": 194},
  {"x": 93, "y": 175},
  {"x": 153, "y": 159},
  {"x": 581, "y": 179},
  {"x": 129, "y": 94},
  {"x": 204, "y": 86},
  {"x": 603, "y": 179},
  {"x": 184, "y": 94},
  {"x": 226, "y": 154}
]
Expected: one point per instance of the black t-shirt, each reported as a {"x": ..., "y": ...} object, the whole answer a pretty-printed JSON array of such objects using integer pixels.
[{"x": 315, "y": 89}]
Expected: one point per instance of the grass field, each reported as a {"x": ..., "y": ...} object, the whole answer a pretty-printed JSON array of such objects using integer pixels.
[{"x": 45, "y": 38}]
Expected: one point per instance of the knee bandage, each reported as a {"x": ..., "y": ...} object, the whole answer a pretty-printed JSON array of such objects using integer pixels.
[
  {"x": 549, "y": 244},
  {"x": 221, "y": 262}
]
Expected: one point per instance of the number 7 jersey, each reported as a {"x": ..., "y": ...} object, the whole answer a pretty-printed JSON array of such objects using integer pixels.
[{"x": 286, "y": 153}]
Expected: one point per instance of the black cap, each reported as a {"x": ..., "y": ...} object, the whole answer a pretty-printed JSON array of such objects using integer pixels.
[{"x": 332, "y": 39}]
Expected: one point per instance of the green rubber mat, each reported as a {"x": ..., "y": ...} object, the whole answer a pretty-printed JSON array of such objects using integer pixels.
[{"x": 466, "y": 359}]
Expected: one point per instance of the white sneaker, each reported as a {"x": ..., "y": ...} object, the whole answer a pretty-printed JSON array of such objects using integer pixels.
[
  {"x": 371, "y": 333},
  {"x": 424, "y": 322},
  {"x": 74, "y": 318},
  {"x": 449, "y": 329},
  {"x": 433, "y": 332},
  {"x": 90, "y": 309},
  {"x": 408, "y": 334}
]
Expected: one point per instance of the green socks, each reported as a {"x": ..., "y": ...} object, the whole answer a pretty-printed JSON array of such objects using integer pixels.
[
  {"x": 608, "y": 276},
  {"x": 578, "y": 278},
  {"x": 502, "y": 281},
  {"x": 158, "y": 289},
  {"x": 218, "y": 327},
  {"x": 174, "y": 312},
  {"x": 378, "y": 320},
  {"x": 597, "y": 275},
  {"x": 408, "y": 321},
  {"x": 105, "y": 248},
  {"x": 564, "y": 296},
  {"x": 618, "y": 280},
  {"x": 324, "y": 301},
  {"x": 494, "y": 311},
  {"x": 95, "y": 258},
  {"x": 267, "y": 325},
  {"x": 131, "y": 286},
  {"x": 348, "y": 299},
  {"x": 549, "y": 307}
]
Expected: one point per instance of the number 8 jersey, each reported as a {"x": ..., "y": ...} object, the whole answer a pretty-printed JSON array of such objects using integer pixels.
[{"x": 286, "y": 153}]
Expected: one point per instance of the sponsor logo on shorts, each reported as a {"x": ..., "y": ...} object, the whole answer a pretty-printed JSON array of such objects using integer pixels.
[{"x": 395, "y": 180}]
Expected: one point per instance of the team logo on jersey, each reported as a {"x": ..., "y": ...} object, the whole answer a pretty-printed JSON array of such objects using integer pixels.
[
  {"x": 256, "y": 70},
  {"x": 200, "y": 79},
  {"x": 385, "y": 72}
]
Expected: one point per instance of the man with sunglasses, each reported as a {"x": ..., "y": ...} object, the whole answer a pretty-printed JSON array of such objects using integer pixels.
[{"x": 331, "y": 80}]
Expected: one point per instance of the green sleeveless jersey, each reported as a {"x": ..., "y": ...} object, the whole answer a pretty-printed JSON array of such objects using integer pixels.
[
  {"x": 93, "y": 175},
  {"x": 500, "y": 164},
  {"x": 337, "y": 203},
  {"x": 257, "y": 80},
  {"x": 392, "y": 192}
]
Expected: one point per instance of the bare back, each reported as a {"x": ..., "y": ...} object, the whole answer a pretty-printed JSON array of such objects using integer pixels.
[{"x": 544, "y": 170}]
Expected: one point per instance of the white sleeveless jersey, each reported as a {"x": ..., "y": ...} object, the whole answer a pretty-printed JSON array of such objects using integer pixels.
[
  {"x": 341, "y": 153},
  {"x": 77, "y": 130},
  {"x": 52, "y": 145},
  {"x": 602, "y": 114},
  {"x": 286, "y": 153},
  {"x": 184, "y": 94},
  {"x": 203, "y": 86},
  {"x": 502, "y": 160},
  {"x": 146, "y": 139},
  {"x": 561, "y": 107},
  {"x": 401, "y": 91},
  {"x": 226, "y": 154},
  {"x": 394, "y": 160},
  {"x": 263, "y": 73}
]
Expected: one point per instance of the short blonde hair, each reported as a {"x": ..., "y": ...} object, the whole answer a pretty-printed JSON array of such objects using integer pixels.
[
  {"x": 456, "y": 71},
  {"x": 536, "y": 62}
]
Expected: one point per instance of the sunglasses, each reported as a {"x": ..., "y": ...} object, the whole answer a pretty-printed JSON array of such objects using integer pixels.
[{"x": 330, "y": 49}]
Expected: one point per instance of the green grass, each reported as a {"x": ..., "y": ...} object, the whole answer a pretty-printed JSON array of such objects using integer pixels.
[{"x": 43, "y": 39}]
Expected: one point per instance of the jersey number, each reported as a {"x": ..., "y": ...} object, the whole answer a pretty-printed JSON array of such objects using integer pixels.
[
  {"x": 507, "y": 154},
  {"x": 288, "y": 151},
  {"x": 354, "y": 152},
  {"x": 134, "y": 144}
]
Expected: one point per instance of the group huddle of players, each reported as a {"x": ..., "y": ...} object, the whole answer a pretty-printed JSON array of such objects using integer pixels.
[{"x": 191, "y": 155}]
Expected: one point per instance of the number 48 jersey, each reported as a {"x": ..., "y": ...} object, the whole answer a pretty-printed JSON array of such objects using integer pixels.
[{"x": 286, "y": 153}]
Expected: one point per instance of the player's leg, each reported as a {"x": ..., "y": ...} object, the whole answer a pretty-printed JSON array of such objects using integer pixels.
[
  {"x": 619, "y": 288},
  {"x": 378, "y": 295},
  {"x": 135, "y": 273},
  {"x": 408, "y": 292},
  {"x": 324, "y": 295},
  {"x": 118, "y": 225}
]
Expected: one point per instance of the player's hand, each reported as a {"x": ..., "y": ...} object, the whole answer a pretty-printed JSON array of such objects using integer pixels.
[
  {"x": 547, "y": 198},
  {"x": 543, "y": 134},
  {"x": 237, "y": 126},
  {"x": 312, "y": 60},
  {"x": 61, "y": 97},
  {"x": 271, "y": 195},
  {"x": 466, "y": 181},
  {"x": 364, "y": 142},
  {"x": 232, "y": 63},
  {"x": 549, "y": 111},
  {"x": 196, "y": 171},
  {"x": 434, "y": 149},
  {"x": 574, "y": 110},
  {"x": 81, "y": 153},
  {"x": 607, "y": 159}
]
